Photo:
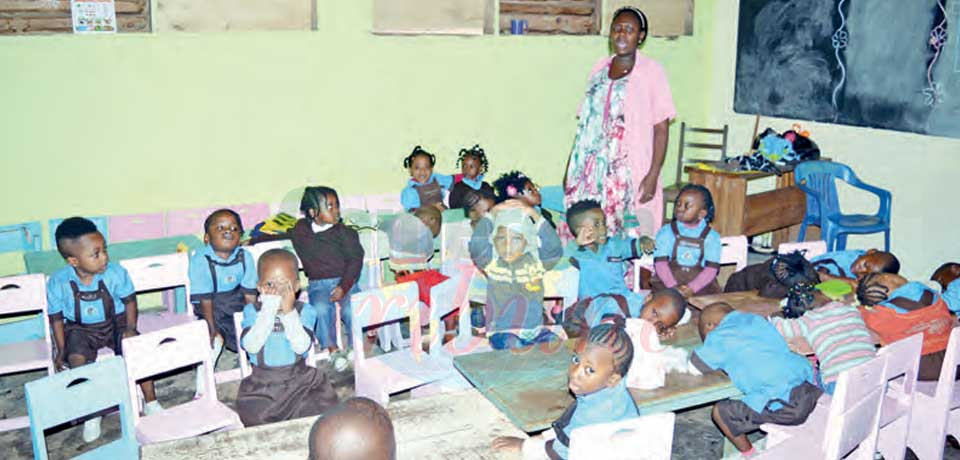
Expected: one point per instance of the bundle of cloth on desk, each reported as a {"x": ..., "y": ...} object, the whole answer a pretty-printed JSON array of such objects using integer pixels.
[{"x": 771, "y": 151}]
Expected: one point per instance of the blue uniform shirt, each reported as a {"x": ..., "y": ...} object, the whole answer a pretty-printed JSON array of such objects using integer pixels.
[
  {"x": 409, "y": 197},
  {"x": 472, "y": 183},
  {"x": 607, "y": 306},
  {"x": 687, "y": 255},
  {"x": 613, "y": 404},
  {"x": 913, "y": 291},
  {"x": 277, "y": 351},
  {"x": 60, "y": 299},
  {"x": 844, "y": 259},
  {"x": 757, "y": 359},
  {"x": 952, "y": 296},
  {"x": 602, "y": 272},
  {"x": 228, "y": 276}
]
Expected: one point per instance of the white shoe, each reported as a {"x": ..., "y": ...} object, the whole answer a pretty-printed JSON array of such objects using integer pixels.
[
  {"x": 91, "y": 430},
  {"x": 152, "y": 408},
  {"x": 323, "y": 355}
]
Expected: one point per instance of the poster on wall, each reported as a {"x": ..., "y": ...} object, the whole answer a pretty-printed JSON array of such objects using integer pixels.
[{"x": 93, "y": 16}]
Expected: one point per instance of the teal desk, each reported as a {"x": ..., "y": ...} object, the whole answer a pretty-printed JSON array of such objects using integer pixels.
[{"x": 530, "y": 387}]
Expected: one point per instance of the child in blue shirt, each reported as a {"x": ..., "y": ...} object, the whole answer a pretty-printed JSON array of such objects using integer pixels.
[
  {"x": 222, "y": 277},
  {"x": 688, "y": 250},
  {"x": 92, "y": 304},
  {"x": 424, "y": 187},
  {"x": 473, "y": 165},
  {"x": 946, "y": 276},
  {"x": 851, "y": 265},
  {"x": 777, "y": 384},
  {"x": 517, "y": 185},
  {"x": 277, "y": 336},
  {"x": 597, "y": 370},
  {"x": 663, "y": 309}
]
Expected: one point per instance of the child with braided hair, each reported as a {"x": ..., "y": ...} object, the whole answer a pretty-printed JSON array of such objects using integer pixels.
[
  {"x": 597, "y": 369},
  {"x": 687, "y": 256},
  {"x": 517, "y": 185},
  {"x": 424, "y": 187},
  {"x": 473, "y": 165}
]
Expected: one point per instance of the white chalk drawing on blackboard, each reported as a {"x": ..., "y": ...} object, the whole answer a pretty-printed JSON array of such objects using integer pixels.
[
  {"x": 956, "y": 45},
  {"x": 933, "y": 93},
  {"x": 839, "y": 41}
]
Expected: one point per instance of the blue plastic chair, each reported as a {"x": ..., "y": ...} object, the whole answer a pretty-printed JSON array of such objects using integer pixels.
[
  {"x": 76, "y": 393},
  {"x": 816, "y": 179},
  {"x": 99, "y": 221}
]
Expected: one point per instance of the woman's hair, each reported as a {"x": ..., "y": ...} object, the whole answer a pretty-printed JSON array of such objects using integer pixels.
[
  {"x": 510, "y": 185},
  {"x": 475, "y": 152},
  {"x": 613, "y": 336},
  {"x": 705, "y": 196},
  {"x": 312, "y": 197},
  {"x": 408, "y": 161},
  {"x": 641, "y": 18},
  {"x": 209, "y": 219},
  {"x": 871, "y": 290},
  {"x": 577, "y": 209}
]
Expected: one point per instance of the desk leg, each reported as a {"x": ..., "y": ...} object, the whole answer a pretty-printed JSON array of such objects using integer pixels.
[{"x": 729, "y": 196}]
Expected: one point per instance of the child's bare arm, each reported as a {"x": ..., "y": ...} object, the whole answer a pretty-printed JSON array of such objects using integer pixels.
[
  {"x": 56, "y": 325},
  {"x": 130, "y": 307},
  {"x": 206, "y": 309}
]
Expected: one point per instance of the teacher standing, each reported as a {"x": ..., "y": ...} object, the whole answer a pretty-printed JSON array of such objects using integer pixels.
[{"x": 622, "y": 133}]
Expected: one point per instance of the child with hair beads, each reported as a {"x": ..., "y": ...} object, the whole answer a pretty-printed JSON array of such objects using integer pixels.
[
  {"x": 514, "y": 249},
  {"x": 473, "y": 165},
  {"x": 687, "y": 256},
  {"x": 516, "y": 185},
  {"x": 92, "y": 304},
  {"x": 777, "y": 384},
  {"x": 476, "y": 204},
  {"x": 357, "y": 429},
  {"x": 424, "y": 187},
  {"x": 597, "y": 370},
  {"x": 277, "y": 337},
  {"x": 332, "y": 258},
  {"x": 663, "y": 309}
]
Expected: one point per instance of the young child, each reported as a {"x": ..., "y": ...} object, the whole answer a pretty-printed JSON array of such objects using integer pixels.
[
  {"x": 277, "y": 337},
  {"x": 756, "y": 357},
  {"x": 838, "y": 336},
  {"x": 946, "y": 274},
  {"x": 516, "y": 185},
  {"x": 688, "y": 250},
  {"x": 663, "y": 309},
  {"x": 223, "y": 277},
  {"x": 332, "y": 258},
  {"x": 895, "y": 309},
  {"x": 92, "y": 304},
  {"x": 424, "y": 187},
  {"x": 846, "y": 265},
  {"x": 601, "y": 257},
  {"x": 431, "y": 217},
  {"x": 514, "y": 249},
  {"x": 358, "y": 428},
  {"x": 477, "y": 203},
  {"x": 596, "y": 373},
  {"x": 473, "y": 165}
]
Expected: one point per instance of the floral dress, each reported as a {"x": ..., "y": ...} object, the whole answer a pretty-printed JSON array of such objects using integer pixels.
[{"x": 599, "y": 168}]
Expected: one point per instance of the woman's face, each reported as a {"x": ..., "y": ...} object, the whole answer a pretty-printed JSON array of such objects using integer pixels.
[{"x": 625, "y": 34}]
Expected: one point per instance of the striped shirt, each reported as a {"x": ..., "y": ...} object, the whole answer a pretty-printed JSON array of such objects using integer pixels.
[{"x": 836, "y": 333}]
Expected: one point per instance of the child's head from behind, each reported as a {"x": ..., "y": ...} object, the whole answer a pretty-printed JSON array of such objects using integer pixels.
[
  {"x": 876, "y": 288},
  {"x": 477, "y": 203},
  {"x": 516, "y": 184},
  {"x": 431, "y": 217},
  {"x": 587, "y": 216},
  {"x": 278, "y": 268},
  {"x": 321, "y": 205},
  {"x": 82, "y": 245},
  {"x": 711, "y": 316},
  {"x": 946, "y": 274},
  {"x": 693, "y": 204},
  {"x": 602, "y": 359},
  {"x": 222, "y": 230},
  {"x": 664, "y": 308},
  {"x": 874, "y": 261},
  {"x": 357, "y": 429},
  {"x": 472, "y": 162},
  {"x": 420, "y": 164}
]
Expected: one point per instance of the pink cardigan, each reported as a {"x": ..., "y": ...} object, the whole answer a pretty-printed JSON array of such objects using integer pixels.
[{"x": 648, "y": 103}]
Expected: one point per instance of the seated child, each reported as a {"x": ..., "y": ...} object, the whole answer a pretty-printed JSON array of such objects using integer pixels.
[
  {"x": 906, "y": 308},
  {"x": 597, "y": 370},
  {"x": 946, "y": 274},
  {"x": 600, "y": 257},
  {"x": 431, "y": 217},
  {"x": 473, "y": 165},
  {"x": 476, "y": 204},
  {"x": 358, "y": 428},
  {"x": 663, "y": 309},
  {"x": 688, "y": 250},
  {"x": 838, "y": 336},
  {"x": 777, "y": 384},
  {"x": 223, "y": 277},
  {"x": 411, "y": 249},
  {"x": 332, "y": 258},
  {"x": 516, "y": 185},
  {"x": 277, "y": 335},
  {"x": 92, "y": 304},
  {"x": 424, "y": 187},
  {"x": 514, "y": 249},
  {"x": 846, "y": 265}
]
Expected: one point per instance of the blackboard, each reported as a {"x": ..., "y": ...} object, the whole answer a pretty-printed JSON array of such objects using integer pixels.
[{"x": 889, "y": 64}]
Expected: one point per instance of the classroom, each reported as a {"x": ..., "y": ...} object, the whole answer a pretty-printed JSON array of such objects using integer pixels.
[{"x": 743, "y": 261}]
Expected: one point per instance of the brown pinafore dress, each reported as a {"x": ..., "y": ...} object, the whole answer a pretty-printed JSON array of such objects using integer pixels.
[
  {"x": 225, "y": 304},
  {"x": 86, "y": 338},
  {"x": 276, "y": 393},
  {"x": 683, "y": 274}
]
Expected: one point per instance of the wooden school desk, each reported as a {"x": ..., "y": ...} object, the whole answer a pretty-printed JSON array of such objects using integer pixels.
[
  {"x": 449, "y": 426},
  {"x": 530, "y": 387}
]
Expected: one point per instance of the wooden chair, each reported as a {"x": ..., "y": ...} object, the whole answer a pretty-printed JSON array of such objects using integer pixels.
[
  {"x": 649, "y": 437},
  {"x": 155, "y": 353},
  {"x": 936, "y": 407},
  {"x": 100, "y": 221},
  {"x": 903, "y": 362},
  {"x": 671, "y": 192},
  {"x": 135, "y": 227},
  {"x": 23, "y": 294},
  {"x": 22, "y": 237},
  {"x": 186, "y": 221},
  {"x": 734, "y": 251},
  {"x": 251, "y": 214},
  {"x": 161, "y": 272}
]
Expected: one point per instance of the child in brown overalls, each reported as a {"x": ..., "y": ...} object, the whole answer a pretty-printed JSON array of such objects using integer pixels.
[
  {"x": 424, "y": 187},
  {"x": 687, "y": 256}
]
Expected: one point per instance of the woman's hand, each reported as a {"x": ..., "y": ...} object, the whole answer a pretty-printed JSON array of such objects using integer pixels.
[{"x": 648, "y": 187}]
